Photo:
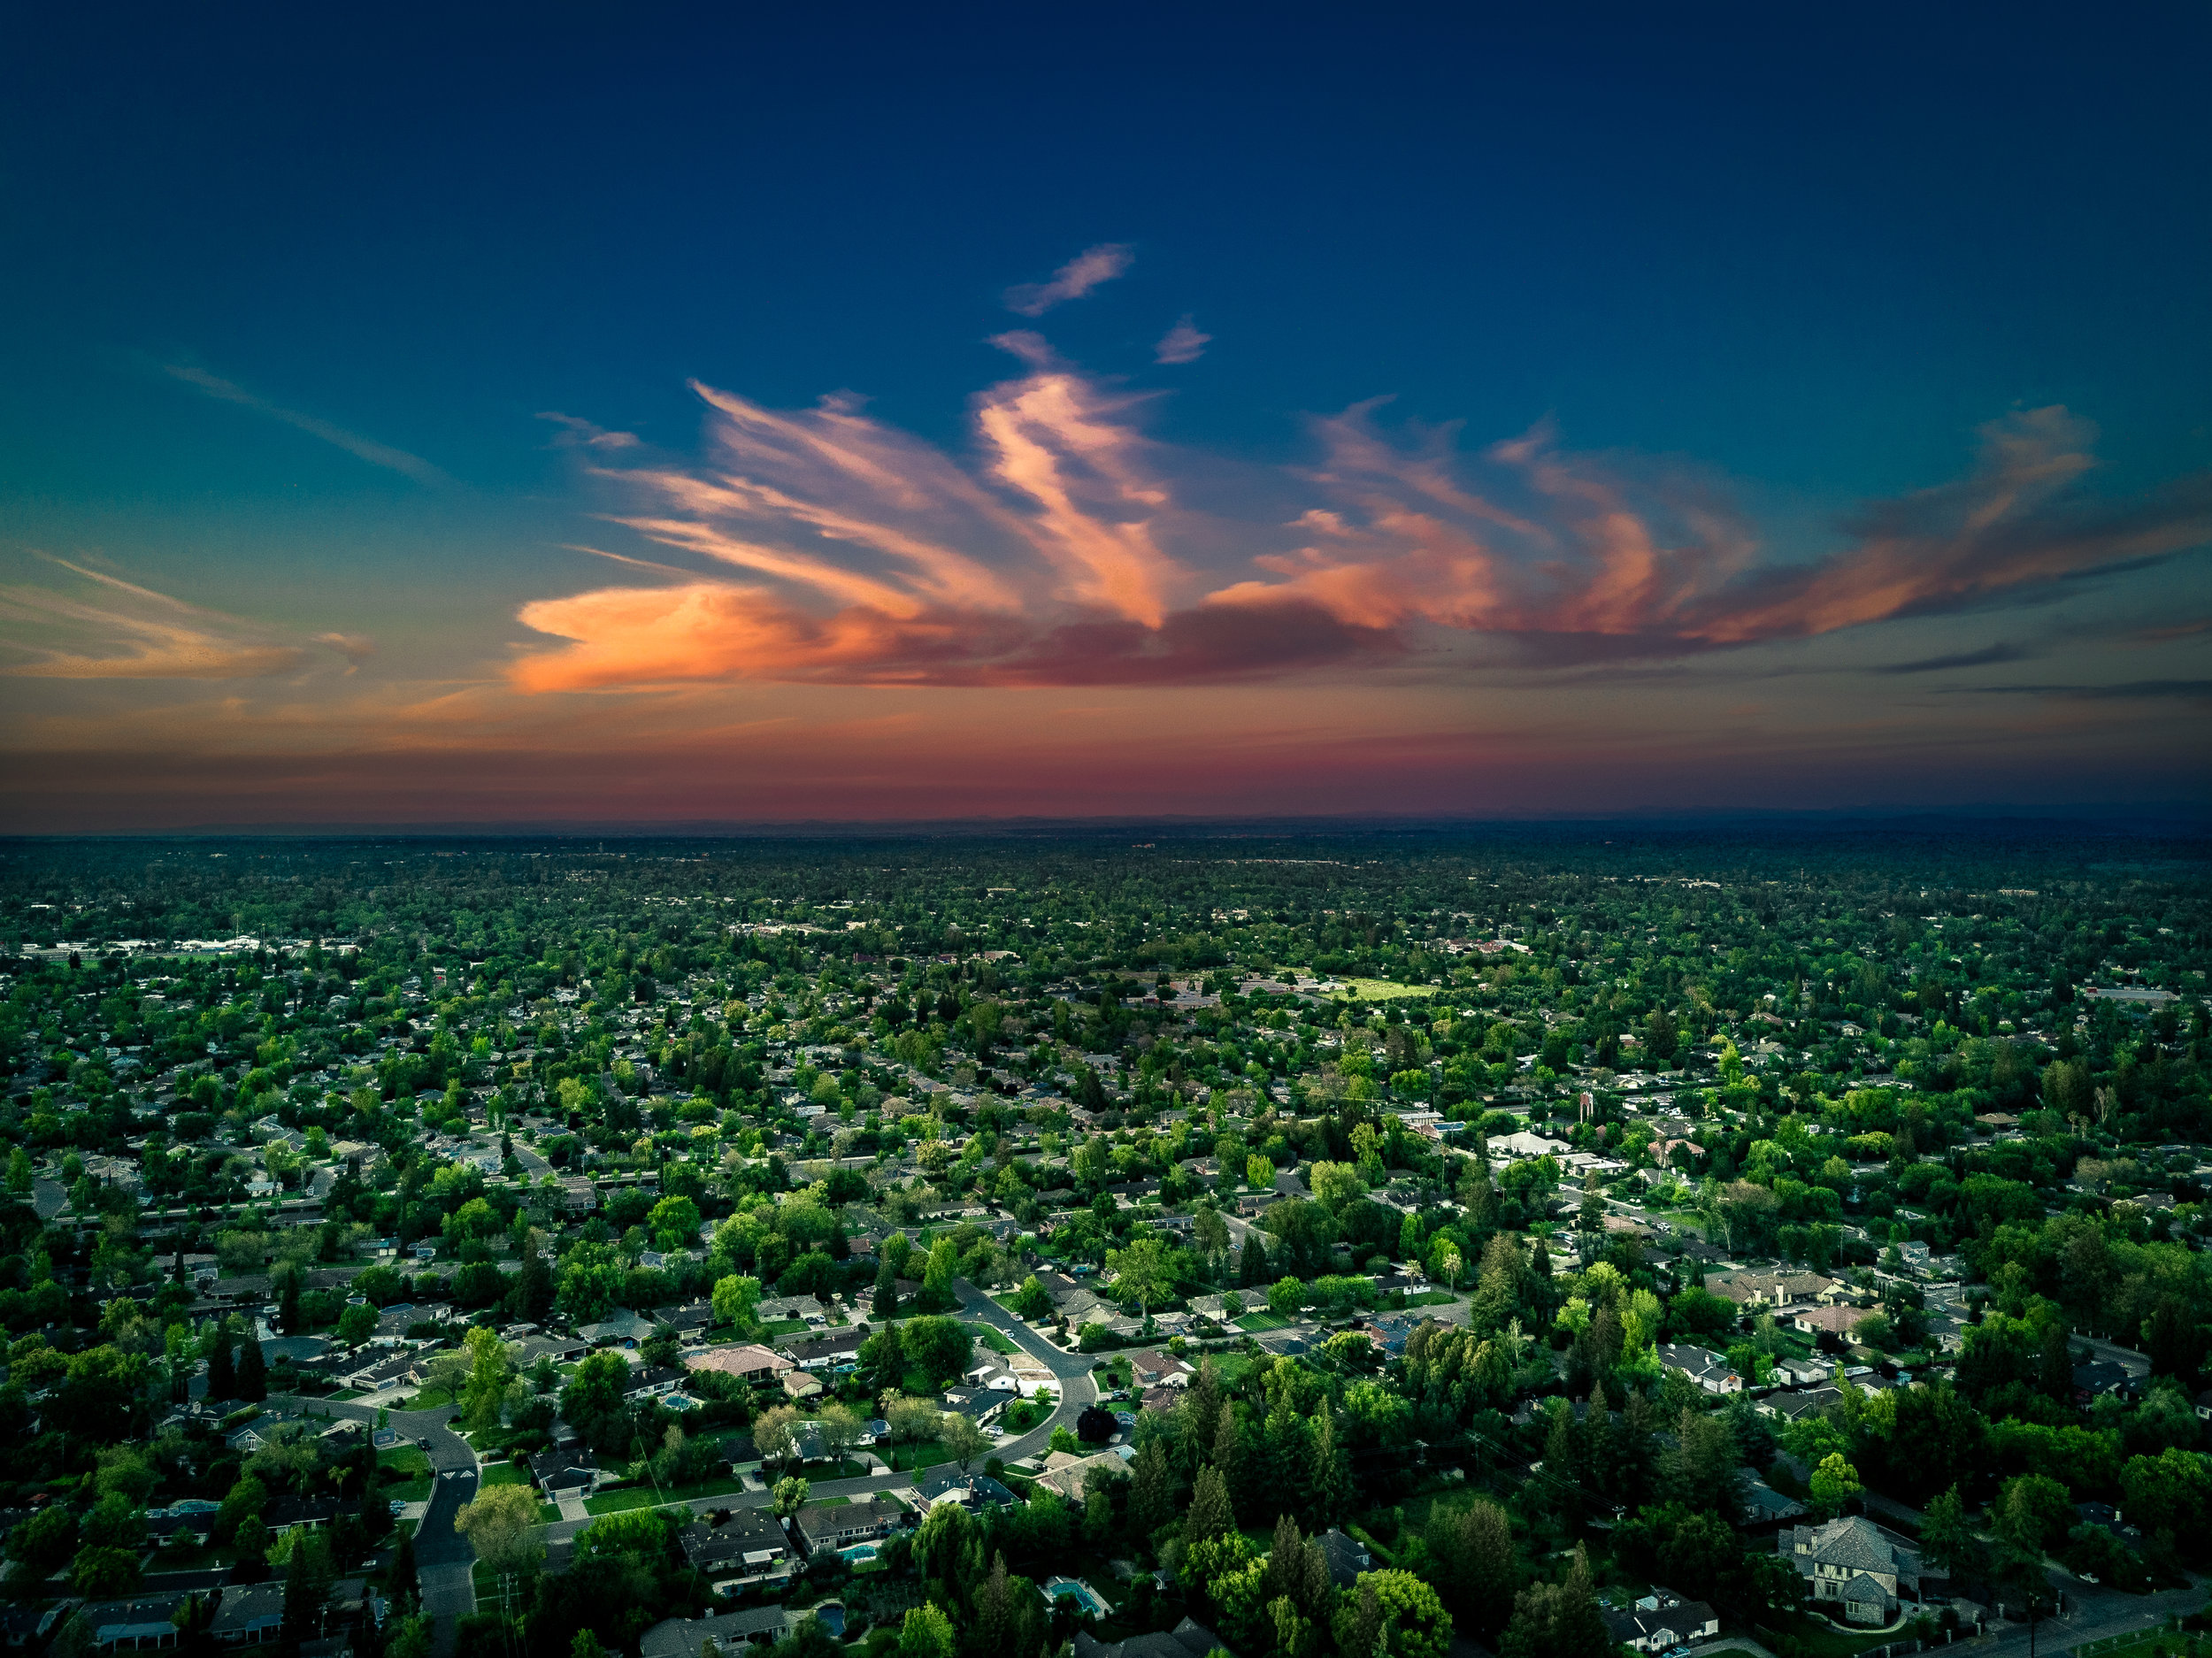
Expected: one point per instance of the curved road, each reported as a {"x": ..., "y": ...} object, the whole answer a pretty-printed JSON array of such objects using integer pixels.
[
  {"x": 444, "y": 1559},
  {"x": 1071, "y": 1370}
]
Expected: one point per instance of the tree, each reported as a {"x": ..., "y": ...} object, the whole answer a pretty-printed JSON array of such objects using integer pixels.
[
  {"x": 355, "y": 1325},
  {"x": 308, "y": 1576},
  {"x": 253, "y": 1373},
  {"x": 1144, "y": 1273},
  {"x": 405, "y": 1585},
  {"x": 1946, "y": 1540},
  {"x": 1031, "y": 1300},
  {"x": 735, "y": 1300},
  {"x": 1210, "y": 1514},
  {"x": 940, "y": 1348},
  {"x": 886, "y": 1305},
  {"x": 222, "y": 1374},
  {"x": 1835, "y": 1483},
  {"x": 1286, "y": 1297},
  {"x": 1413, "y": 1623},
  {"x": 1329, "y": 1484},
  {"x": 1152, "y": 1488},
  {"x": 962, "y": 1441},
  {"x": 2030, "y": 1513},
  {"x": 1558, "y": 1620},
  {"x": 500, "y": 1526},
  {"x": 775, "y": 1434},
  {"x": 839, "y": 1429},
  {"x": 489, "y": 1369},
  {"x": 592, "y": 1402},
  {"x": 1473, "y": 1552},
  {"x": 100, "y": 1573},
  {"x": 926, "y": 1633},
  {"x": 789, "y": 1496}
]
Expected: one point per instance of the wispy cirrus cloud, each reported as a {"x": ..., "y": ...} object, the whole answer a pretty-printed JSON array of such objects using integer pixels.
[
  {"x": 118, "y": 630},
  {"x": 1063, "y": 550},
  {"x": 1078, "y": 276},
  {"x": 363, "y": 448},
  {"x": 1182, "y": 343}
]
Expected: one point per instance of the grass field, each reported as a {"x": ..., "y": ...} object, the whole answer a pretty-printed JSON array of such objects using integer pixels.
[
  {"x": 1258, "y": 1322},
  {"x": 994, "y": 1339},
  {"x": 785, "y": 1327},
  {"x": 646, "y": 1497},
  {"x": 502, "y": 1474},
  {"x": 413, "y": 1469},
  {"x": 1383, "y": 990}
]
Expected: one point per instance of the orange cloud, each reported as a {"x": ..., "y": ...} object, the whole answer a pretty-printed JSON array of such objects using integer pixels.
[{"x": 1066, "y": 550}]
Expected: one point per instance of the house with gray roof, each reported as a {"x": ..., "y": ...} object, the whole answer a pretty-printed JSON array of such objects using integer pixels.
[{"x": 1861, "y": 1570}]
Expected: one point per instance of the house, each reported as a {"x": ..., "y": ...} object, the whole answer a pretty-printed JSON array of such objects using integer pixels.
[
  {"x": 1160, "y": 1370},
  {"x": 129, "y": 1625},
  {"x": 560, "y": 1474},
  {"x": 1067, "y": 1474},
  {"x": 799, "y": 1385},
  {"x": 1347, "y": 1555},
  {"x": 1522, "y": 1144},
  {"x": 2097, "y": 1378},
  {"x": 730, "y": 1631},
  {"x": 1857, "y": 1566},
  {"x": 748, "y": 1548},
  {"x": 833, "y": 1350},
  {"x": 846, "y": 1524},
  {"x": 1661, "y": 1620},
  {"x": 947, "y": 1484},
  {"x": 1789, "y": 1407},
  {"x": 1834, "y": 1321},
  {"x": 1751, "y": 1290},
  {"x": 249, "y": 1615},
  {"x": 620, "y": 1329},
  {"x": 1187, "y": 1640},
  {"x": 652, "y": 1382},
  {"x": 748, "y": 1364},
  {"x": 383, "y": 1373},
  {"x": 1763, "y": 1505},
  {"x": 558, "y": 1349},
  {"x": 308, "y": 1514},
  {"x": 1708, "y": 1370}
]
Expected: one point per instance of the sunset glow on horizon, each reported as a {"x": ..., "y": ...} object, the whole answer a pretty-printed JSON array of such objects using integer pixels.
[{"x": 365, "y": 466}]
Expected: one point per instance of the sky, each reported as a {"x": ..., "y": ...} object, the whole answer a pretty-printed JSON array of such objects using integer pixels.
[{"x": 544, "y": 415}]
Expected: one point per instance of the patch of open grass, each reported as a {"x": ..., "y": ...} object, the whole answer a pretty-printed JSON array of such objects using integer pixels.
[
  {"x": 1262, "y": 1321},
  {"x": 502, "y": 1474},
  {"x": 1383, "y": 990},
  {"x": 993, "y": 1338},
  {"x": 630, "y": 1497}
]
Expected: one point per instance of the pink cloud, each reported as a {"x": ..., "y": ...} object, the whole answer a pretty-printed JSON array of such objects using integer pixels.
[
  {"x": 1182, "y": 343},
  {"x": 826, "y": 547},
  {"x": 1078, "y": 276}
]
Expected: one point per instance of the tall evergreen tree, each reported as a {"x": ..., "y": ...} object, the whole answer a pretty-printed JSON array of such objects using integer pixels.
[
  {"x": 222, "y": 1375},
  {"x": 1229, "y": 1458},
  {"x": 253, "y": 1372},
  {"x": 1329, "y": 1483},
  {"x": 1152, "y": 1488},
  {"x": 1210, "y": 1513},
  {"x": 1252, "y": 1263},
  {"x": 886, "y": 1302},
  {"x": 402, "y": 1580}
]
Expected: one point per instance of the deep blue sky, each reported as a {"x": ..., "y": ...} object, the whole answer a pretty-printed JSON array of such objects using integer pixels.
[
  {"x": 1814, "y": 251},
  {"x": 1799, "y": 257}
]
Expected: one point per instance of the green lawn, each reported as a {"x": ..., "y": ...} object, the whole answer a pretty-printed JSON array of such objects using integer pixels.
[
  {"x": 908, "y": 1459},
  {"x": 1431, "y": 1298},
  {"x": 785, "y": 1327},
  {"x": 2133, "y": 1646},
  {"x": 1820, "y": 1641},
  {"x": 646, "y": 1497},
  {"x": 1258, "y": 1322},
  {"x": 1383, "y": 990},
  {"x": 412, "y": 1469},
  {"x": 994, "y": 1339},
  {"x": 502, "y": 1474}
]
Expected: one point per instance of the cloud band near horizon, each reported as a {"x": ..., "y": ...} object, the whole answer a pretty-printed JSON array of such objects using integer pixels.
[{"x": 1066, "y": 549}]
